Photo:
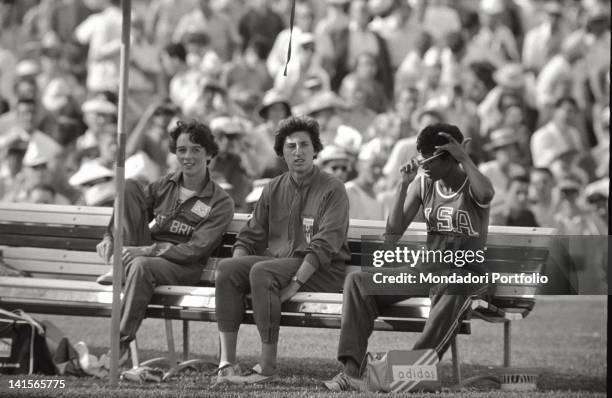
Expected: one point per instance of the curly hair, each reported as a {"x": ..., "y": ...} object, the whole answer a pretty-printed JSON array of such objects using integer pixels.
[
  {"x": 429, "y": 138},
  {"x": 199, "y": 133},
  {"x": 294, "y": 124}
]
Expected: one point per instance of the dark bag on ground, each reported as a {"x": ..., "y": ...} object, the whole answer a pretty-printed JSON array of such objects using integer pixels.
[
  {"x": 23, "y": 347},
  {"x": 28, "y": 346}
]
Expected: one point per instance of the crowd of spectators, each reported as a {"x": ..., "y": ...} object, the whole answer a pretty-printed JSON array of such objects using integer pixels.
[{"x": 527, "y": 80}]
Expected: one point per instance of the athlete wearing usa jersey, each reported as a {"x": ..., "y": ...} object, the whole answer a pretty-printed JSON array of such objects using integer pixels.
[{"x": 454, "y": 197}]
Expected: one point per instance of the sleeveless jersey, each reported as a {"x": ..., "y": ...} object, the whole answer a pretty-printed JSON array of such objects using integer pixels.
[{"x": 456, "y": 221}]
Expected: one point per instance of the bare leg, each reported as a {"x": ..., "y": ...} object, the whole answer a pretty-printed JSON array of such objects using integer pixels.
[{"x": 228, "y": 341}]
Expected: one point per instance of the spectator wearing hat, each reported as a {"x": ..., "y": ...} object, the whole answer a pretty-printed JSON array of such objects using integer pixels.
[
  {"x": 100, "y": 116},
  {"x": 494, "y": 41},
  {"x": 335, "y": 161},
  {"x": 510, "y": 79},
  {"x": 235, "y": 164},
  {"x": 516, "y": 212},
  {"x": 11, "y": 165},
  {"x": 571, "y": 218},
  {"x": 562, "y": 69},
  {"x": 558, "y": 135},
  {"x": 544, "y": 41},
  {"x": 596, "y": 196},
  {"x": 306, "y": 65},
  {"x": 96, "y": 182},
  {"x": 567, "y": 161},
  {"x": 543, "y": 196},
  {"x": 221, "y": 32},
  {"x": 326, "y": 107},
  {"x": 362, "y": 195},
  {"x": 43, "y": 163},
  {"x": 504, "y": 145}
]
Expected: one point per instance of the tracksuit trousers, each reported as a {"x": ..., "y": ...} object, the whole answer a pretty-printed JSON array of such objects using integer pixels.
[
  {"x": 143, "y": 274},
  {"x": 263, "y": 277},
  {"x": 363, "y": 302}
]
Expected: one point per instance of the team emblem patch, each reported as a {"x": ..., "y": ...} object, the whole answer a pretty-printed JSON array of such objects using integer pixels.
[
  {"x": 201, "y": 209},
  {"x": 307, "y": 225}
]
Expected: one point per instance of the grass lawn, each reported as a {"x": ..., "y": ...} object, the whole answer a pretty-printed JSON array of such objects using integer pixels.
[{"x": 565, "y": 336}]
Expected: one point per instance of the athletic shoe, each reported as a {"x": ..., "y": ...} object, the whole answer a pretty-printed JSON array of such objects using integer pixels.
[
  {"x": 253, "y": 377},
  {"x": 343, "y": 382},
  {"x": 226, "y": 371}
]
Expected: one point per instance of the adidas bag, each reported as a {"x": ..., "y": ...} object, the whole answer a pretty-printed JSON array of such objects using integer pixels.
[{"x": 402, "y": 371}]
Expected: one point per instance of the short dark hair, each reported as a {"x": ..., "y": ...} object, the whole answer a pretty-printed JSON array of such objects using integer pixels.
[
  {"x": 199, "y": 133},
  {"x": 429, "y": 138},
  {"x": 176, "y": 50},
  {"x": 544, "y": 170},
  {"x": 566, "y": 98},
  {"x": 294, "y": 124}
]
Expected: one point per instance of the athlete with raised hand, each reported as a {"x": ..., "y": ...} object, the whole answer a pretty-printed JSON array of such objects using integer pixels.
[{"x": 454, "y": 197}]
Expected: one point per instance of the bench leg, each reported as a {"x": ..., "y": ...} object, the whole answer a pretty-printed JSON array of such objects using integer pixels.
[
  {"x": 134, "y": 353},
  {"x": 507, "y": 345},
  {"x": 185, "y": 340},
  {"x": 456, "y": 361}
]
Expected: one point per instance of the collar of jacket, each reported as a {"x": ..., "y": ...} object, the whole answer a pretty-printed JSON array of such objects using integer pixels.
[
  {"x": 208, "y": 189},
  {"x": 307, "y": 180}
]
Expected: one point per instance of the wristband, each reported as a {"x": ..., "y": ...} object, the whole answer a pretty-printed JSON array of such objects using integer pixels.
[{"x": 296, "y": 280}]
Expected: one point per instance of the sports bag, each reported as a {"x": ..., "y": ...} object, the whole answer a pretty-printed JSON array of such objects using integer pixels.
[
  {"x": 23, "y": 347},
  {"x": 402, "y": 371}
]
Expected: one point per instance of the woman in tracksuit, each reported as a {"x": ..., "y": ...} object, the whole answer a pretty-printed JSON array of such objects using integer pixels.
[{"x": 188, "y": 213}]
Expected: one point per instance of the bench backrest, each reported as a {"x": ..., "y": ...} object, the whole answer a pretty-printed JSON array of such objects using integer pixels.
[{"x": 61, "y": 240}]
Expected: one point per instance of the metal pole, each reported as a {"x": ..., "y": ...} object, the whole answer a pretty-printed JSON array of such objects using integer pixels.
[{"x": 126, "y": 7}]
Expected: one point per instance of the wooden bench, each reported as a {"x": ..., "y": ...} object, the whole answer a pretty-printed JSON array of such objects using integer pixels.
[{"x": 56, "y": 246}]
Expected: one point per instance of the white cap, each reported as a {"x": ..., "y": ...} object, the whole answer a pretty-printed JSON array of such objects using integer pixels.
[
  {"x": 99, "y": 105},
  {"x": 492, "y": 6},
  {"x": 258, "y": 187},
  {"x": 41, "y": 149},
  {"x": 140, "y": 167},
  {"x": 27, "y": 67},
  {"x": 348, "y": 138},
  {"x": 432, "y": 57},
  {"x": 89, "y": 172},
  {"x": 99, "y": 193},
  {"x": 372, "y": 150}
]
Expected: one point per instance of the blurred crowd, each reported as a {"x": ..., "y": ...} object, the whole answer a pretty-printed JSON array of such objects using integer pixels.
[{"x": 527, "y": 80}]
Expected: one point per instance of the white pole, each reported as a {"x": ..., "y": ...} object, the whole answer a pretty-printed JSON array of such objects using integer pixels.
[{"x": 126, "y": 7}]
